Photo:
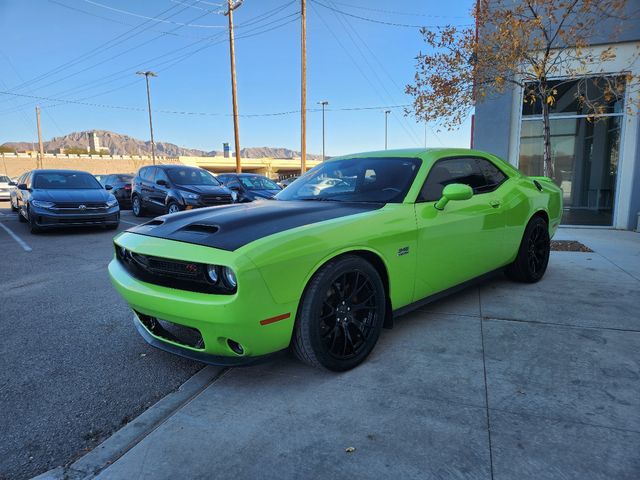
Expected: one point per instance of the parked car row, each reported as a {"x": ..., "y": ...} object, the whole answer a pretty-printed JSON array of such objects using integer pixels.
[{"x": 63, "y": 198}]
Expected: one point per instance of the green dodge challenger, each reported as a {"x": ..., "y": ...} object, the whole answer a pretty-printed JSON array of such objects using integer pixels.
[{"x": 336, "y": 256}]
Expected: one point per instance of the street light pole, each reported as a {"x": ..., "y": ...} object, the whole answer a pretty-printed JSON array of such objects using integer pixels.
[
  {"x": 148, "y": 74},
  {"x": 303, "y": 87},
  {"x": 323, "y": 103},
  {"x": 386, "y": 114}
]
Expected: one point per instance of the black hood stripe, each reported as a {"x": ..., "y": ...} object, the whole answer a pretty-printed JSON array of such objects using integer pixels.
[{"x": 229, "y": 227}]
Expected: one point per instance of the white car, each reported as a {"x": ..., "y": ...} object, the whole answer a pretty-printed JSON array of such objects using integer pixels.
[{"x": 5, "y": 188}]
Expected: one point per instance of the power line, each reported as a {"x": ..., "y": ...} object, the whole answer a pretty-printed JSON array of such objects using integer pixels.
[
  {"x": 395, "y": 12},
  {"x": 126, "y": 12},
  {"x": 256, "y": 30},
  {"x": 171, "y": 62},
  {"x": 113, "y": 20},
  {"x": 402, "y": 120},
  {"x": 367, "y": 19},
  {"x": 185, "y": 112},
  {"x": 89, "y": 54}
]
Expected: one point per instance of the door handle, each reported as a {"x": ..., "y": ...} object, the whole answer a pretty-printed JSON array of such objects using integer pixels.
[{"x": 494, "y": 203}]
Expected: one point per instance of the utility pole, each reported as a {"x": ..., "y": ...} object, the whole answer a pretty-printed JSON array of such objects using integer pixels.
[
  {"x": 386, "y": 115},
  {"x": 40, "y": 146},
  {"x": 148, "y": 74},
  {"x": 231, "y": 6},
  {"x": 323, "y": 103},
  {"x": 303, "y": 92}
]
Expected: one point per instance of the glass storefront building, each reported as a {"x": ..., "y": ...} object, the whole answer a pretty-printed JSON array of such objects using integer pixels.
[
  {"x": 584, "y": 149},
  {"x": 596, "y": 159}
]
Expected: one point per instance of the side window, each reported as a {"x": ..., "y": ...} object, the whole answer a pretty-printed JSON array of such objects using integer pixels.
[
  {"x": 147, "y": 174},
  {"x": 142, "y": 172},
  {"x": 480, "y": 174},
  {"x": 493, "y": 175},
  {"x": 232, "y": 182},
  {"x": 160, "y": 175},
  {"x": 27, "y": 179}
]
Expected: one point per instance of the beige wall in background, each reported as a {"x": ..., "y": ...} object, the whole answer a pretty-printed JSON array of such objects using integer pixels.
[{"x": 16, "y": 166}]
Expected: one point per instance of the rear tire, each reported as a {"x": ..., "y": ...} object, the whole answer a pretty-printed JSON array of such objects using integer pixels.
[
  {"x": 533, "y": 256},
  {"x": 136, "y": 206},
  {"x": 13, "y": 207},
  {"x": 21, "y": 218},
  {"x": 340, "y": 315}
]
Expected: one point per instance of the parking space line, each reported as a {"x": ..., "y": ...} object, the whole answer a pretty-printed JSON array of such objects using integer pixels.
[
  {"x": 21, "y": 242},
  {"x": 130, "y": 223}
]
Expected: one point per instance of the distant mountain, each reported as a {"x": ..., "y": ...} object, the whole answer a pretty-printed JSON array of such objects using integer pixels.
[{"x": 119, "y": 144}]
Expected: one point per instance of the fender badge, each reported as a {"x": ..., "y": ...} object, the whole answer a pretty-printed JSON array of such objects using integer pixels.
[{"x": 403, "y": 251}]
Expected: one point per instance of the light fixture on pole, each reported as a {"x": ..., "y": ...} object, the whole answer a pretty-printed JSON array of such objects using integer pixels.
[
  {"x": 323, "y": 103},
  {"x": 148, "y": 74},
  {"x": 386, "y": 115}
]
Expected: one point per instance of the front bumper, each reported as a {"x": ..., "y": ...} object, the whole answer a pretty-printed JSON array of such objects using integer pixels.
[
  {"x": 219, "y": 318},
  {"x": 49, "y": 218},
  {"x": 5, "y": 194}
]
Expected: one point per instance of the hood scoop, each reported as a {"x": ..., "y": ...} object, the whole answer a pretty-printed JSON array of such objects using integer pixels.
[{"x": 200, "y": 228}]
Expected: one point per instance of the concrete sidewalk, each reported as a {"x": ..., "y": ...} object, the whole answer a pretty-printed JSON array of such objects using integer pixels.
[{"x": 503, "y": 381}]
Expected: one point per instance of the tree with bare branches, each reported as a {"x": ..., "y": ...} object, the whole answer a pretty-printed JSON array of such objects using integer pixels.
[{"x": 527, "y": 44}]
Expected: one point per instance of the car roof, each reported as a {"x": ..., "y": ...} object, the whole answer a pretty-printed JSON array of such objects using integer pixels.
[
  {"x": 410, "y": 153},
  {"x": 58, "y": 170},
  {"x": 174, "y": 166}
]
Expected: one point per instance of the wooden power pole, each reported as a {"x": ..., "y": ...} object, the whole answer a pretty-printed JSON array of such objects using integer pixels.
[
  {"x": 40, "y": 146},
  {"x": 303, "y": 93},
  {"x": 231, "y": 6}
]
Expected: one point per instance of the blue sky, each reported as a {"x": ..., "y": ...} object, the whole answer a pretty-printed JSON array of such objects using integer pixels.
[{"x": 352, "y": 63}]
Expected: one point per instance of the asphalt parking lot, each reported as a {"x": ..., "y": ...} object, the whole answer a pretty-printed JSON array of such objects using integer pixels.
[
  {"x": 73, "y": 368},
  {"x": 500, "y": 381}
]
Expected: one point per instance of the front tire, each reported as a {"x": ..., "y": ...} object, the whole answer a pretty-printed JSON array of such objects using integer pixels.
[
  {"x": 136, "y": 206},
  {"x": 173, "y": 207},
  {"x": 533, "y": 256},
  {"x": 33, "y": 226},
  {"x": 341, "y": 315}
]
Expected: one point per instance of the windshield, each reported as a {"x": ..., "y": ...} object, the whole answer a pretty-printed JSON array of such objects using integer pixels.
[
  {"x": 258, "y": 183},
  {"x": 383, "y": 180},
  {"x": 191, "y": 176},
  {"x": 124, "y": 178},
  {"x": 65, "y": 180},
  {"x": 4, "y": 179}
]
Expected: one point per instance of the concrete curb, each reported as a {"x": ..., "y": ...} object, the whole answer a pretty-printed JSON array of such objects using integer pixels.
[{"x": 114, "y": 447}]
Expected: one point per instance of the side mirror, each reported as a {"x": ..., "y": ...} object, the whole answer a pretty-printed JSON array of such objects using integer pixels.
[
  {"x": 108, "y": 187},
  {"x": 161, "y": 182},
  {"x": 22, "y": 186},
  {"x": 455, "y": 191},
  {"x": 235, "y": 188}
]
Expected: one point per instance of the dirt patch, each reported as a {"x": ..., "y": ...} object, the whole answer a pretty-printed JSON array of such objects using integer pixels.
[{"x": 568, "y": 246}]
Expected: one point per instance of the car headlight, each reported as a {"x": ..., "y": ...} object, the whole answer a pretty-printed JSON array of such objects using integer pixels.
[
  {"x": 230, "y": 277},
  {"x": 212, "y": 273},
  {"x": 192, "y": 196},
  {"x": 234, "y": 195},
  {"x": 41, "y": 204},
  {"x": 222, "y": 276},
  {"x": 112, "y": 202}
]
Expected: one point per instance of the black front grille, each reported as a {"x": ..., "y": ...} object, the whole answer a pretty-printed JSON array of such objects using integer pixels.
[
  {"x": 171, "y": 273},
  {"x": 188, "y": 336},
  {"x": 216, "y": 199},
  {"x": 76, "y": 205}
]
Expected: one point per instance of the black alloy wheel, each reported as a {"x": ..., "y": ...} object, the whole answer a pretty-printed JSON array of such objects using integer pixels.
[
  {"x": 533, "y": 256},
  {"x": 341, "y": 315}
]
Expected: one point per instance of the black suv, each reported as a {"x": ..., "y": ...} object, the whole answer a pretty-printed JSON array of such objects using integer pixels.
[{"x": 171, "y": 188}]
